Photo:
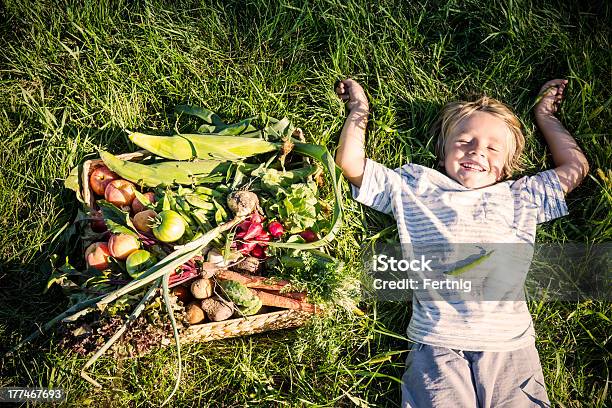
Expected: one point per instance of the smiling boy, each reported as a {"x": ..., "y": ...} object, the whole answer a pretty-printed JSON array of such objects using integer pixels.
[{"x": 475, "y": 353}]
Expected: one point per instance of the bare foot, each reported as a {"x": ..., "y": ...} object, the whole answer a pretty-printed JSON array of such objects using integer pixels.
[{"x": 550, "y": 96}]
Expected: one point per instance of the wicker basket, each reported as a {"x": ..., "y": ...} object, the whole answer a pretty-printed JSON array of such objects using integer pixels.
[{"x": 235, "y": 327}]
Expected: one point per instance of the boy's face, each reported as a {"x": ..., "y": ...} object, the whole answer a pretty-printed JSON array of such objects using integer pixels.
[{"x": 476, "y": 150}]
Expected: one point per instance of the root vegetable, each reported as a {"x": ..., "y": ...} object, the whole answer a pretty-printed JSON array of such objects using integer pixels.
[
  {"x": 246, "y": 247},
  {"x": 276, "y": 229},
  {"x": 258, "y": 252},
  {"x": 208, "y": 269},
  {"x": 253, "y": 231},
  {"x": 182, "y": 294},
  {"x": 270, "y": 299},
  {"x": 256, "y": 217},
  {"x": 301, "y": 296},
  {"x": 194, "y": 313},
  {"x": 250, "y": 264},
  {"x": 217, "y": 258},
  {"x": 242, "y": 203},
  {"x": 202, "y": 288},
  {"x": 309, "y": 235},
  {"x": 257, "y": 282},
  {"x": 217, "y": 309}
]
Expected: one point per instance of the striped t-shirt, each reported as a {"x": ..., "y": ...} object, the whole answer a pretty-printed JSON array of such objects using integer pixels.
[{"x": 433, "y": 209}]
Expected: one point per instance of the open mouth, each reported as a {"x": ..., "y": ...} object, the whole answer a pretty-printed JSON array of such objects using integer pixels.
[{"x": 470, "y": 166}]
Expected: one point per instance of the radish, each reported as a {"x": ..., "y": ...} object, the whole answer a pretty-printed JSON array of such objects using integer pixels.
[
  {"x": 256, "y": 217},
  {"x": 246, "y": 247},
  {"x": 253, "y": 231},
  {"x": 244, "y": 225},
  {"x": 258, "y": 252},
  {"x": 309, "y": 235},
  {"x": 276, "y": 229}
]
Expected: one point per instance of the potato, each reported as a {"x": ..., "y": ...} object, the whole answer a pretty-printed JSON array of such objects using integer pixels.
[
  {"x": 217, "y": 309},
  {"x": 194, "y": 313},
  {"x": 202, "y": 288}
]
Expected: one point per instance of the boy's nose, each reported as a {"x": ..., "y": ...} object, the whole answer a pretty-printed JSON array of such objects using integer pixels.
[{"x": 477, "y": 150}]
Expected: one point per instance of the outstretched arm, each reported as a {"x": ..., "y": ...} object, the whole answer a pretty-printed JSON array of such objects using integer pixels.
[
  {"x": 571, "y": 164},
  {"x": 350, "y": 155}
]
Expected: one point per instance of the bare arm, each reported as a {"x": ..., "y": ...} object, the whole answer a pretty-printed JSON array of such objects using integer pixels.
[
  {"x": 571, "y": 164},
  {"x": 350, "y": 155}
]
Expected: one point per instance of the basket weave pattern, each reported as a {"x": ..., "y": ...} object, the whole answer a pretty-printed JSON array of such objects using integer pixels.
[{"x": 243, "y": 326}]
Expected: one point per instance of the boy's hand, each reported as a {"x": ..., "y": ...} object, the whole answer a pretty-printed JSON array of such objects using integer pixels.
[
  {"x": 570, "y": 163},
  {"x": 351, "y": 92},
  {"x": 550, "y": 97}
]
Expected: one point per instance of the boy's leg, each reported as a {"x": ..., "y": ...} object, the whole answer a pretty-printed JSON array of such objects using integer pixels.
[
  {"x": 437, "y": 377},
  {"x": 509, "y": 379}
]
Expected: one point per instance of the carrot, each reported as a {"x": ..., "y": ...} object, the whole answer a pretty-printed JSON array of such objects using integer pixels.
[
  {"x": 270, "y": 299},
  {"x": 258, "y": 282},
  {"x": 300, "y": 296}
]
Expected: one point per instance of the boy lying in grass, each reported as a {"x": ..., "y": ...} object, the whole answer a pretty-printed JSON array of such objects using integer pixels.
[{"x": 469, "y": 353}]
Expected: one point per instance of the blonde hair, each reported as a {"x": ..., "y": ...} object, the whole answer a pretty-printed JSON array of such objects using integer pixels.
[{"x": 455, "y": 112}]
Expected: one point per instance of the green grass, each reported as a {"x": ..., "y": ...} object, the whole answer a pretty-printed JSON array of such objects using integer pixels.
[{"x": 73, "y": 77}]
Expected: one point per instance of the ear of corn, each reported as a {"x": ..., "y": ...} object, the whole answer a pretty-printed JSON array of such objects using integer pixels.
[
  {"x": 203, "y": 146},
  {"x": 164, "y": 174}
]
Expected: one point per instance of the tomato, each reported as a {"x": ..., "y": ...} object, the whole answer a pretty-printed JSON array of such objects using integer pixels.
[
  {"x": 138, "y": 262},
  {"x": 170, "y": 227}
]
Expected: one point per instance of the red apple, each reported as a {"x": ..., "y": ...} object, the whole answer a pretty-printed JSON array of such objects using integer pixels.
[
  {"x": 120, "y": 193},
  {"x": 137, "y": 206},
  {"x": 96, "y": 255},
  {"x": 122, "y": 245},
  {"x": 142, "y": 220},
  {"x": 99, "y": 179}
]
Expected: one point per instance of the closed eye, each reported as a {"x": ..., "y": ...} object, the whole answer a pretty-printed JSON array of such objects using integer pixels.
[{"x": 495, "y": 149}]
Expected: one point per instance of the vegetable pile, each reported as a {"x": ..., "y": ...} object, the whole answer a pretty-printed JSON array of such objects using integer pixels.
[{"x": 217, "y": 224}]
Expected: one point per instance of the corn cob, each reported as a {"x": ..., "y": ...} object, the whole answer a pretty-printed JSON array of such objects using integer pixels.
[
  {"x": 203, "y": 146},
  {"x": 163, "y": 174}
]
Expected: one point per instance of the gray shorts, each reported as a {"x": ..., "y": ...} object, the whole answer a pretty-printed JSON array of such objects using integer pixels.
[{"x": 442, "y": 377}]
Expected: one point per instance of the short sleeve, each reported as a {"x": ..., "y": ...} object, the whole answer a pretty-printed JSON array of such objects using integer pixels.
[
  {"x": 375, "y": 191},
  {"x": 543, "y": 192}
]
